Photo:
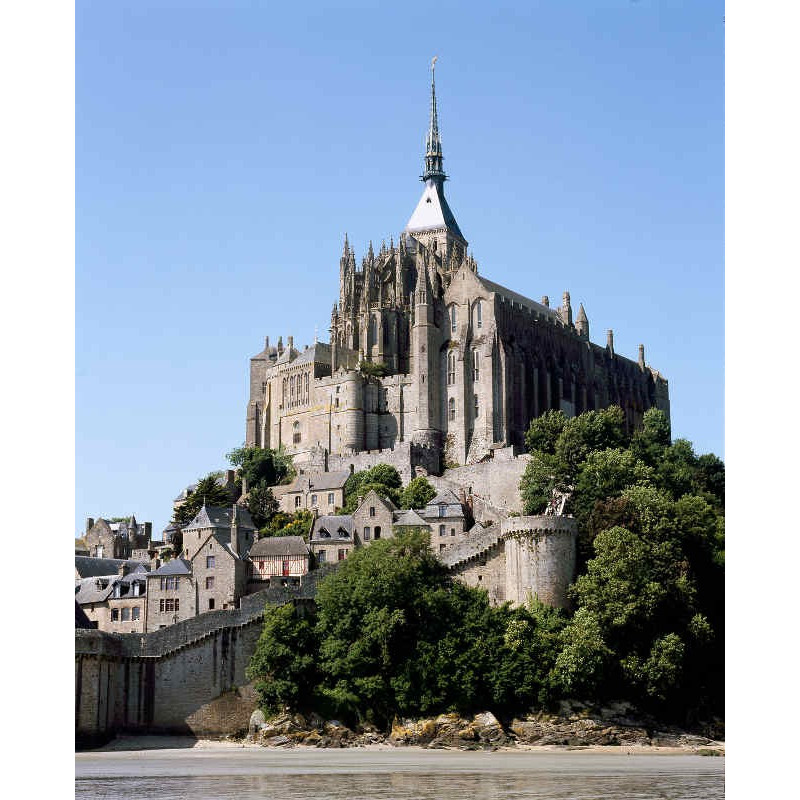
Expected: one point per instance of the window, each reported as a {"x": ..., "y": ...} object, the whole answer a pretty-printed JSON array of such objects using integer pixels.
[
  {"x": 372, "y": 511},
  {"x": 313, "y": 499},
  {"x": 115, "y": 615},
  {"x": 478, "y": 314},
  {"x": 442, "y": 509},
  {"x": 452, "y": 531},
  {"x": 297, "y": 501},
  {"x": 126, "y": 615},
  {"x": 210, "y": 582},
  {"x": 321, "y": 556},
  {"x": 161, "y": 605},
  {"x": 451, "y": 405},
  {"x": 261, "y": 566},
  {"x": 211, "y": 603},
  {"x": 331, "y": 499},
  {"x": 210, "y": 562},
  {"x": 477, "y": 406},
  {"x": 342, "y": 555},
  {"x": 367, "y": 534},
  {"x": 296, "y": 433},
  {"x": 441, "y": 530},
  {"x": 442, "y": 547},
  {"x": 377, "y": 531},
  {"x": 135, "y": 613},
  {"x": 451, "y": 368},
  {"x": 476, "y": 365},
  {"x": 285, "y": 570},
  {"x": 453, "y": 318}
]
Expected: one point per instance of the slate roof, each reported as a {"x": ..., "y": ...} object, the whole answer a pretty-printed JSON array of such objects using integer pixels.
[
  {"x": 175, "y": 566},
  {"x": 86, "y": 590},
  {"x": 318, "y": 353},
  {"x": 279, "y": 546},
  {"x": 409, "y": 517},
  {"x": 81, "y": 620},
  {"x": 318, "y": 481},
  {"x": 432, "y": 211},
  {"x": 333, "y": 523},
  {"x": 220, "y": 517},
  {"x": 445, "y": 497},
  {"x": 140, "y": 573},
  {"x": 518, "y": 298},
  {"x": 88, "y": 567}
]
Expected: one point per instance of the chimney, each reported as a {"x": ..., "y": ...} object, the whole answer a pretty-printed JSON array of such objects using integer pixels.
[
  {"x": 610, "y": 341},
  {"x": 89, "y": 524},
  {"x": 641, "y": 356},
  {"x": 266, "y": 342}
]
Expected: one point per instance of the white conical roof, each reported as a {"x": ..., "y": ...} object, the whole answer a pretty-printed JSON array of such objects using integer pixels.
[{"x": 432, "y": 212}]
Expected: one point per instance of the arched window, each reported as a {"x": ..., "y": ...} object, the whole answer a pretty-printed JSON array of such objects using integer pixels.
[
  {"x": 451, "y": 405},
  {"x": 373, "y": 331},
  {"x": 453, "y": 318},
  {"x": 478, "y": 315},
  {"x": 476, "y": 366},
  {"x": 296, "y": 433},
  {"x": 451, "y": 368}
]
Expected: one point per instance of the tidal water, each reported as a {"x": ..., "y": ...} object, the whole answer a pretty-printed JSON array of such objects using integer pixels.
[{"x": 223, "y": 773}]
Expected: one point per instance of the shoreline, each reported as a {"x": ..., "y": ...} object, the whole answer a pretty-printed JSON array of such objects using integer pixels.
[{"x": 184, "y": 743}]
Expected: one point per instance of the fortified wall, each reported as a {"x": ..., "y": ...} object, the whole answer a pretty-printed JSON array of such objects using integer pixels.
[
  {"x": 188, "y": 678},
  {"x": 519, "y": 559}
]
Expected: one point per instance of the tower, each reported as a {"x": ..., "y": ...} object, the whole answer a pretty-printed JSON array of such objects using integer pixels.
[{"x": 433, "y": 223}]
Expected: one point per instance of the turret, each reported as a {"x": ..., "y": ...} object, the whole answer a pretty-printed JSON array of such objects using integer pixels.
[
  {"x": 566, "y": 310},
  {"x": 582, "y": 324}
]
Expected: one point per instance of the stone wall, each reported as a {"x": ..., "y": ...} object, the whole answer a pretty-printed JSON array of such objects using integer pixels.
[
  {"x": 186, "y": 678},
  {"x": 540, "y": 558}
]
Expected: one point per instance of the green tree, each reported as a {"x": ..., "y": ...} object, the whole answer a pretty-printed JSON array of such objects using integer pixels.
[
  {"x": 383, "y": 478},
  {"x": 283, "y": 665},
  {"x": 261, "y": 504},
  {"x": 207, "y": 492},
  {"x": 417, "y": 493},
  {"x": 543, "y": 432},
  {"x": 259, "y": 465}
]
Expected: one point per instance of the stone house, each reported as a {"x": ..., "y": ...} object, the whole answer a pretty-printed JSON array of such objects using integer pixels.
[
  {"x": 91, "y": 567},
  {"x": 170, "y": 594},
  {"x": 219, "y": 521},
  {"x": 127, "y": 603},
  {"x": 408, "y": 520},
  {"x": 105, "y": 539},
  {"x": 333, "y": 538},
  {"x": 322, "y": 492},
  {"x": 219, "y": 574},
  {"x": 278, "y": 561},
  {"x": 91, "y": 594},
  {"x": 447, "y": 518},
  {"x": 373, "y": 518}
]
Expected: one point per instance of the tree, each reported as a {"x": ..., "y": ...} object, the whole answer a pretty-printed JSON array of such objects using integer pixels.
[
  {"x": 283, "y": 665},
  {"x": 261, "y": 465},
  {"x": 262, "y": 505},
  {"x": 383, "y": 478},
  {"x": 207, "y": 492},
  {"x": 544, "y": 431},
  {"x": 417, "y": 494}
]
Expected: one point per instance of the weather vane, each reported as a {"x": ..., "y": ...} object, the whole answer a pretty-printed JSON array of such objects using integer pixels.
[{"x": 433, "y": 62}]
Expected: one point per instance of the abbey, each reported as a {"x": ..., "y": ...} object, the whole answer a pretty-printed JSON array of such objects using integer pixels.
[{"x": 430, "y": 359}]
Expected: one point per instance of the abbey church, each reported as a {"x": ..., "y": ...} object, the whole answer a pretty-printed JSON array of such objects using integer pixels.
[{"x": 430, "y": 359}]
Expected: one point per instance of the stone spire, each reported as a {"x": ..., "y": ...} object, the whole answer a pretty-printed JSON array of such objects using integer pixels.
[
  {"x": 433, "y": 143},
  {"x": 582, "y": 324},
  {"x": 432, "y": 219}
]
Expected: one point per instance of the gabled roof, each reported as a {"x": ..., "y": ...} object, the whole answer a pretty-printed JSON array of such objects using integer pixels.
[
  {"x": 491, "y": 286},
  {"x": 175, "y": 566},
  {"x": 317, "y": 481},
  {"x": 81, "y": 620},
  {"x": 86, "y": 590},
  {"x": 338, "y": 526},
  {"x": 446, "y": 497},
  {"x": 87, "y": 567},
  {"x": 372, "y": 496},
  {"x": 409, "y": 517},
  {"x": 279, "y": 546},
  {"x": 318, "y": 353},
  {"x": 219, "y": 517}
]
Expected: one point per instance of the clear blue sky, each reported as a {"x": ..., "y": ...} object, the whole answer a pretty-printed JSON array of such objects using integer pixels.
[{"x": 223, "y": 149}]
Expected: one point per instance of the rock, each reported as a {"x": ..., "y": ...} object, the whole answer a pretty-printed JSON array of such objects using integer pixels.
[
  {"x": 257, "y": 719},
  {"x": 277, "y": 741},
  {"x": 489, "y": 730}
]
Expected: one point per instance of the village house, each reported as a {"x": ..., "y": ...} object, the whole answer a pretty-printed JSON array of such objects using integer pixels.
[
  {"x": 170, "y": 594},
  {"x": 323, "y": 492},
  {"x": 104, "y": 539},
  {"x": 278, "y": 560},
  {"x": 332, "y": 538}
]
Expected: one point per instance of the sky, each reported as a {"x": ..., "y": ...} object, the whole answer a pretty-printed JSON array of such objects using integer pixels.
[{"x": 222, "y": 150}]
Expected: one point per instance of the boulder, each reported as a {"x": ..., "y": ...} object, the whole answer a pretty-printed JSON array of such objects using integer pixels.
[
  {"x": 489, "y": 730},
  {"x": 257, "y": 719}
]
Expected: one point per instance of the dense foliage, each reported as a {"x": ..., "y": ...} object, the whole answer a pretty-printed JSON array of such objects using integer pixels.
[
  {"x": 417, "y": 494},
  {"x": 208, "y": 492},
  {"x": 261, "y": 468},
  {"x": 383, "y": 478},
  {"x": 393, "y": 634}
]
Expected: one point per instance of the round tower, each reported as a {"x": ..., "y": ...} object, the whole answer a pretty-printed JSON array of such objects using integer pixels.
[{"x": 540, "y": 558}]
